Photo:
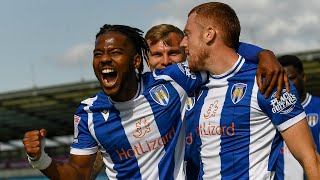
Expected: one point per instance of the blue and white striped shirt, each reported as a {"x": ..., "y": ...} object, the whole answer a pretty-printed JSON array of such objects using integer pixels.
[
  {"x": 238, "y": 129},
  {"x": 143, "y": 138}
]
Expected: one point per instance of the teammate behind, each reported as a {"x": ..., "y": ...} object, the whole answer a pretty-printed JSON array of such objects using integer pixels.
[{"x": 287, "y": 166}]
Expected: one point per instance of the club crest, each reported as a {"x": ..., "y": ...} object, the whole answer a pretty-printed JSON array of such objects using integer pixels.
[
  {"x": 190, "y": 103},
  {"x": 312, "y": 119},
  {"x": 160, "y": 94},
  {"x": 237, "y": 92}
]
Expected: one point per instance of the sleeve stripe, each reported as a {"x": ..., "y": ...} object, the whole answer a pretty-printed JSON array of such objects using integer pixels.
[
  {"x": 290, "y": 122},
  {"x": 87, "y": 151}
]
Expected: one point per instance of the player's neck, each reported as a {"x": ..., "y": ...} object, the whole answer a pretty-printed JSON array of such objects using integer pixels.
[
  {"x": 222, "y": 61},
  {"x": 128, "y": 92}
]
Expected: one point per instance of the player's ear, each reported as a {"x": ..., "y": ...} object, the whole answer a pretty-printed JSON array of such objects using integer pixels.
[
  {"x": 304, "y": 76},
  {"x": 209, "y": 34},
  {"x": 137, "y": 60}
]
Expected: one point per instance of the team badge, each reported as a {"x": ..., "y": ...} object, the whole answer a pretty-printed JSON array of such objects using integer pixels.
[
  {"x": 76, "y": 120},
  {"x": 190, "y": 103},
  {"x": 142, "y": 128},
  {"x": 160, "y": 94},
  {"x": 237, "y": 92},
  {"x": 312, "y": 119}
]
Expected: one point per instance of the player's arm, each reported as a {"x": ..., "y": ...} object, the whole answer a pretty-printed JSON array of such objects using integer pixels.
[
  {"x": 98, "y": 166},
  {"x": 300, "y": 143},
  {"x": 269, "y": 68},
  {"x": 181, "y": 74},
  {"x": 78, "y": 166}
]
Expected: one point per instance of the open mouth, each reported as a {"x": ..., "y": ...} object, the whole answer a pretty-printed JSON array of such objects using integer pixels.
[{"x": 109, "y": 77}]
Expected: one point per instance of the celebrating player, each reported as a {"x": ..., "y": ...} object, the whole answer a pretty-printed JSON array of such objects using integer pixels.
[{"x": 239, "y": 130}]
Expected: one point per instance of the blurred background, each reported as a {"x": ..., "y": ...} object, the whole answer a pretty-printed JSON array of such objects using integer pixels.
[{"x": 46, "y": 55}]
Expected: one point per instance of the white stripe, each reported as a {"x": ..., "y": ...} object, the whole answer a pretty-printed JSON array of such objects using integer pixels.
[
  {"x": 87, "y": 151},
  {"x": 306, "y": 102},
  {"x": 291, "y": 121},
  {"x": 111, "y": 173},
  {"x": 292, "y": 168},
  {"x": 149, "y": 160},
  {"x": 262, "y": 132},
  {"x": 210, "y": 116}
]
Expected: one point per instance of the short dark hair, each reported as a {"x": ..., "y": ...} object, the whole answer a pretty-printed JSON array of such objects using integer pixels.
[
  {"x": 287, "y": 60},
  {"x": 134, "y": 34}
]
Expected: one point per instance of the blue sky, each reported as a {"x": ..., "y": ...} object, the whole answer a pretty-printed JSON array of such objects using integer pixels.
[{"x": 45, "y": 43}]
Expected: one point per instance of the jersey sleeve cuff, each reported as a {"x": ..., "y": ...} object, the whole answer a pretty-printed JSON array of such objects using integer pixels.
[
  {"x": 291, "y": 122},
  {"x": 86, "y": 151}
]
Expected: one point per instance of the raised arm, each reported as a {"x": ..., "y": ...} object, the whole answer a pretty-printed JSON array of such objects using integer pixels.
[
  {"x": 300, "y": 143},
  {"x": 269, "y": 68},
  {"x": 78, "y": 166}
]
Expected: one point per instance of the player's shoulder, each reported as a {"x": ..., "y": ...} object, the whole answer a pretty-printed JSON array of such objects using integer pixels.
[
  {"x": 97, "y": 100},
  {"x": 315, "y": 98}
]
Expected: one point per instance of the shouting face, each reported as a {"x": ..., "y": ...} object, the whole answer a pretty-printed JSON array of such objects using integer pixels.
[{"x": 114, "y": 62}]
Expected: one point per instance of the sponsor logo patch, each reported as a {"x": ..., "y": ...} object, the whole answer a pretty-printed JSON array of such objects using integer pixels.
[
  {"x": 185, "y": 69},
  {"x": 312, "y": 119},
  {"x": 237, "y": 92},
  {"x": 285, "y": 104},
  {"x": 160, "y": 94}
]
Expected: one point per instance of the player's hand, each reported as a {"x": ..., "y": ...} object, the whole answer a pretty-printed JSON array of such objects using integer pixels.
[
  {"x": 275, "y": 75},
  {"x": 32, "y": 143}
]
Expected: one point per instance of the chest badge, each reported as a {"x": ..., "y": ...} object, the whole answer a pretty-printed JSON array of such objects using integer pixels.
[
  {"x": 160, "y": 94},
  {"x": 238, "y": 91},
  {"x": 312, "y": 119}
]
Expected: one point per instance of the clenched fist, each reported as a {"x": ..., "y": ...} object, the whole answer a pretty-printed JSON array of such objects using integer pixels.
[{"x": 34, "y": 142}]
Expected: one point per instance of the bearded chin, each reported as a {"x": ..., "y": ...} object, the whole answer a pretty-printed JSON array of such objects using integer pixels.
[{"x": 197, "y": 62}]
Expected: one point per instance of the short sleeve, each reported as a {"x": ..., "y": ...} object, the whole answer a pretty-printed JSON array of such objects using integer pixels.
[
  {"x": 249, "y": 52},
  {"x": 284, "y": 112},
  {"x": 83, "y": 142}
]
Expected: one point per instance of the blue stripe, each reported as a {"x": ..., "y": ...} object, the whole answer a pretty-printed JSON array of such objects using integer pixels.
[
  {"x": 280, "y": 165},
  {"x": 84, "y": 138},
  {"x": 196, "y": 118},
  {"x": 313, "y": 107},
  {"x": 169, "y": 128},
  {"x": 113, "y": 138},
  {"x": 235, "y": 144}
]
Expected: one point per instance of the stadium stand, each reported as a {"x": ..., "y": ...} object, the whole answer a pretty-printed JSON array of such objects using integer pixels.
[{"x": 53, "y": 107}]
